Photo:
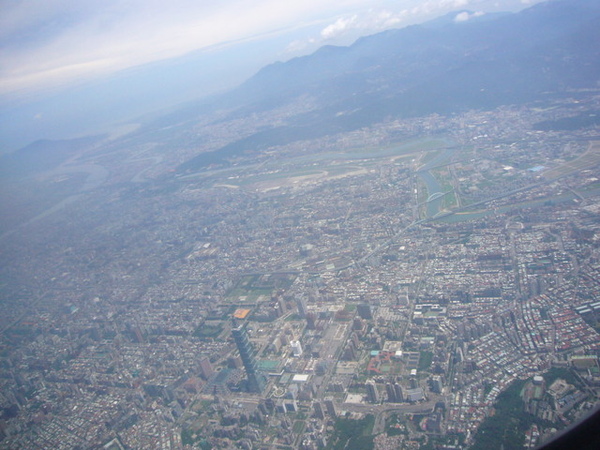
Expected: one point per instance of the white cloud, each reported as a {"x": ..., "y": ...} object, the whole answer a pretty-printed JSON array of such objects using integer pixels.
[
  {"x": 338, "y": 27},
  {"x": 370, "y": 21},
  {"x": 460, "y": 3},
  {"x": 299, "y": 46},
  {"x": 465, "y": 15},
  {"x": 48, "y": 43},
  {"x": 45, "y": 43}
]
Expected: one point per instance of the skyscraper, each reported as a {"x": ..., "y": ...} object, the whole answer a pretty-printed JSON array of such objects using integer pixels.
[
  {"x": 301, "y": 304},
  {"x": 206, "y": 369},
  {"x": 364, "y": 311},
  {"x": 391, "y": 393},
  {"x": 399, "y": 393},
  {"x": 372, "y": 392},
  {"x": 330, "y": 406},
  {"x": 296, "y": 348},
  {"x": 318, "y": 410},
  {"x": 256, "y": 380}
]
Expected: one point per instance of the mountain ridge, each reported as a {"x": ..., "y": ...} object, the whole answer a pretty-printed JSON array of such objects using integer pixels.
[{"x": 515, "y": 58}]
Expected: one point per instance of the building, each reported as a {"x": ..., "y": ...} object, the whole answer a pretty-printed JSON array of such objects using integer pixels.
[
  {"x": 301, "y": 304},
  {"x": 330, "y": 407},
  {"x": 394, "y": 393},
  {"x": 364, "y": 311},
  {"x": 296, "y": 348},
  {"x": 399, "y": 393},
  {"x": 391, "y": 394},
  {"x": 206, "y": 369},
  {"x": 372, "y": 392},
  {"x": 415, "y": 395},
  {"x": 256, "y": 380},
  {"x": 583, "y": 362},
  {"x": 319, "y": 414},
  {"x": 437, "y": 384}
]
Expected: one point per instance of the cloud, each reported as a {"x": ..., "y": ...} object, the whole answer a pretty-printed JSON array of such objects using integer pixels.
[
  {"x": 299, "y": 45},
  {"x": 338, "y": 27},
  {"x": 466, "y": 15},
  {"x": 51, "y": 43},
  {"x": 370, "y": 21},
  {"x": 460, "y": 3}
]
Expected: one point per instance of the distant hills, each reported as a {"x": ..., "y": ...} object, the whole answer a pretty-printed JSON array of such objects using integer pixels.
[
  {"x": 448, "y": 65},
  {"x": 42, "y": 155},
  {"x": 457, "y": 62},
  {"x": 442, "y": 66}
]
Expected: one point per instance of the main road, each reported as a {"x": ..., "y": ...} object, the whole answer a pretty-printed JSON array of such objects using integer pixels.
[{"x": 382, "y": 412}]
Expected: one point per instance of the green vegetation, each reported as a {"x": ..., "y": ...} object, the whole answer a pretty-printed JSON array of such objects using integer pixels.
[
  {"x": 201, "y": 405},
  {"x": 242, "y": 296},
  {"x": 557, "y": 372},
  {"x": 451, "y": 439},
  {"x": 444, "y": 178},
  {"x": 429, "y": 156},
  {"x": 396, "y": 425},
  {"x": 190, "y": 438},
  {"x": 506, "y": 428},
  {"x": 206, "y": 331},
  {"x": 450, "y": 201},
  {"x": 298, "y": 427},
  {"x": 487, "y": 387},
  {"x": 587, "y": 119},
  {"x": 251, "y": 288},
  {"x": 352, "y": 434},
  {"x": 425, "y": 361},
  {"x": 586, "y": 160}
]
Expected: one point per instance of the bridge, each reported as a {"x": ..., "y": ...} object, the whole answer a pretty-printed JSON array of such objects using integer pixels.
[{"x": 436, "y": 195}]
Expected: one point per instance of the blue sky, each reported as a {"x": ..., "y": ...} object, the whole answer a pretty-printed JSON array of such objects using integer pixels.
[
  {"x": 54, "y": 48},
  {"x": 49, "y": 43}
]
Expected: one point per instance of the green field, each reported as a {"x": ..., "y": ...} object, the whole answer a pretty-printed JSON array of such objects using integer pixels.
[
  {"x": 253, "y": 289},
  {"x": 588, "y": 160},
  {"x": 331, "y": 164}
]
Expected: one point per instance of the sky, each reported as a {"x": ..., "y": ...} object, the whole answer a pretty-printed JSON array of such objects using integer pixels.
[{"x": 53, "y": 49}]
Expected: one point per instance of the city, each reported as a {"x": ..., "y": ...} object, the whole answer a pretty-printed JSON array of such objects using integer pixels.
[{"x": 400, "y": 278}]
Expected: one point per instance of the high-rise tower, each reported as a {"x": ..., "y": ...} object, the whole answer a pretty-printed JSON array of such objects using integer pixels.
[
  {"x": 206, "y": 369},
  {"x": 372, "y": 392},
  {"x": 256, "y": 380}
]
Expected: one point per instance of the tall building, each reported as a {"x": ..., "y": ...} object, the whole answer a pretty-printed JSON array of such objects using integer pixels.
[
  {"x": 301, "y": 304},
  {"x": 311, "y": 320},
  {"x": 391, "y": 393},
  {"x": 296, "y": 348},
  {"x": 206, "y": 369},
  {"x": 372, "y": 392},
  {"x": 437, "y": 384},
  {"x": 318, "y": 410},
  {"x": 330, "y": 406},
  {"x": 364, "y": 311},
  {"x": 394, "y": 392},
  {"x": 399, "y": 393},
  {"x": 256, "y": 380},
  {"x": 349, "y": 352}
]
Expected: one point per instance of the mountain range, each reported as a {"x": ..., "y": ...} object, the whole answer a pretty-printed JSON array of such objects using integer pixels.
[
  {"x": 443, "y": 66},
  {"x": 458, "y": 62}
]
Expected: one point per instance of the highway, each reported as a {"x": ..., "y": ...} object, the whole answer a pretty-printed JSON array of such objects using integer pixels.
[{"x": 382, "y": 412}]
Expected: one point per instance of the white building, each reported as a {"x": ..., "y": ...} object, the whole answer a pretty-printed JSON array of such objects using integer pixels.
[{"x": 296, "y": 348}]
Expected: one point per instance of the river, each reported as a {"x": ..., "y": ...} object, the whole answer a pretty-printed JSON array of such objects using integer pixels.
[{"x": 434, "y": 206}]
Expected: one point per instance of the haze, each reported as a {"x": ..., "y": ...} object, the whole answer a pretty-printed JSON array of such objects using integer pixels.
[{"x": 69, "y": 68}]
